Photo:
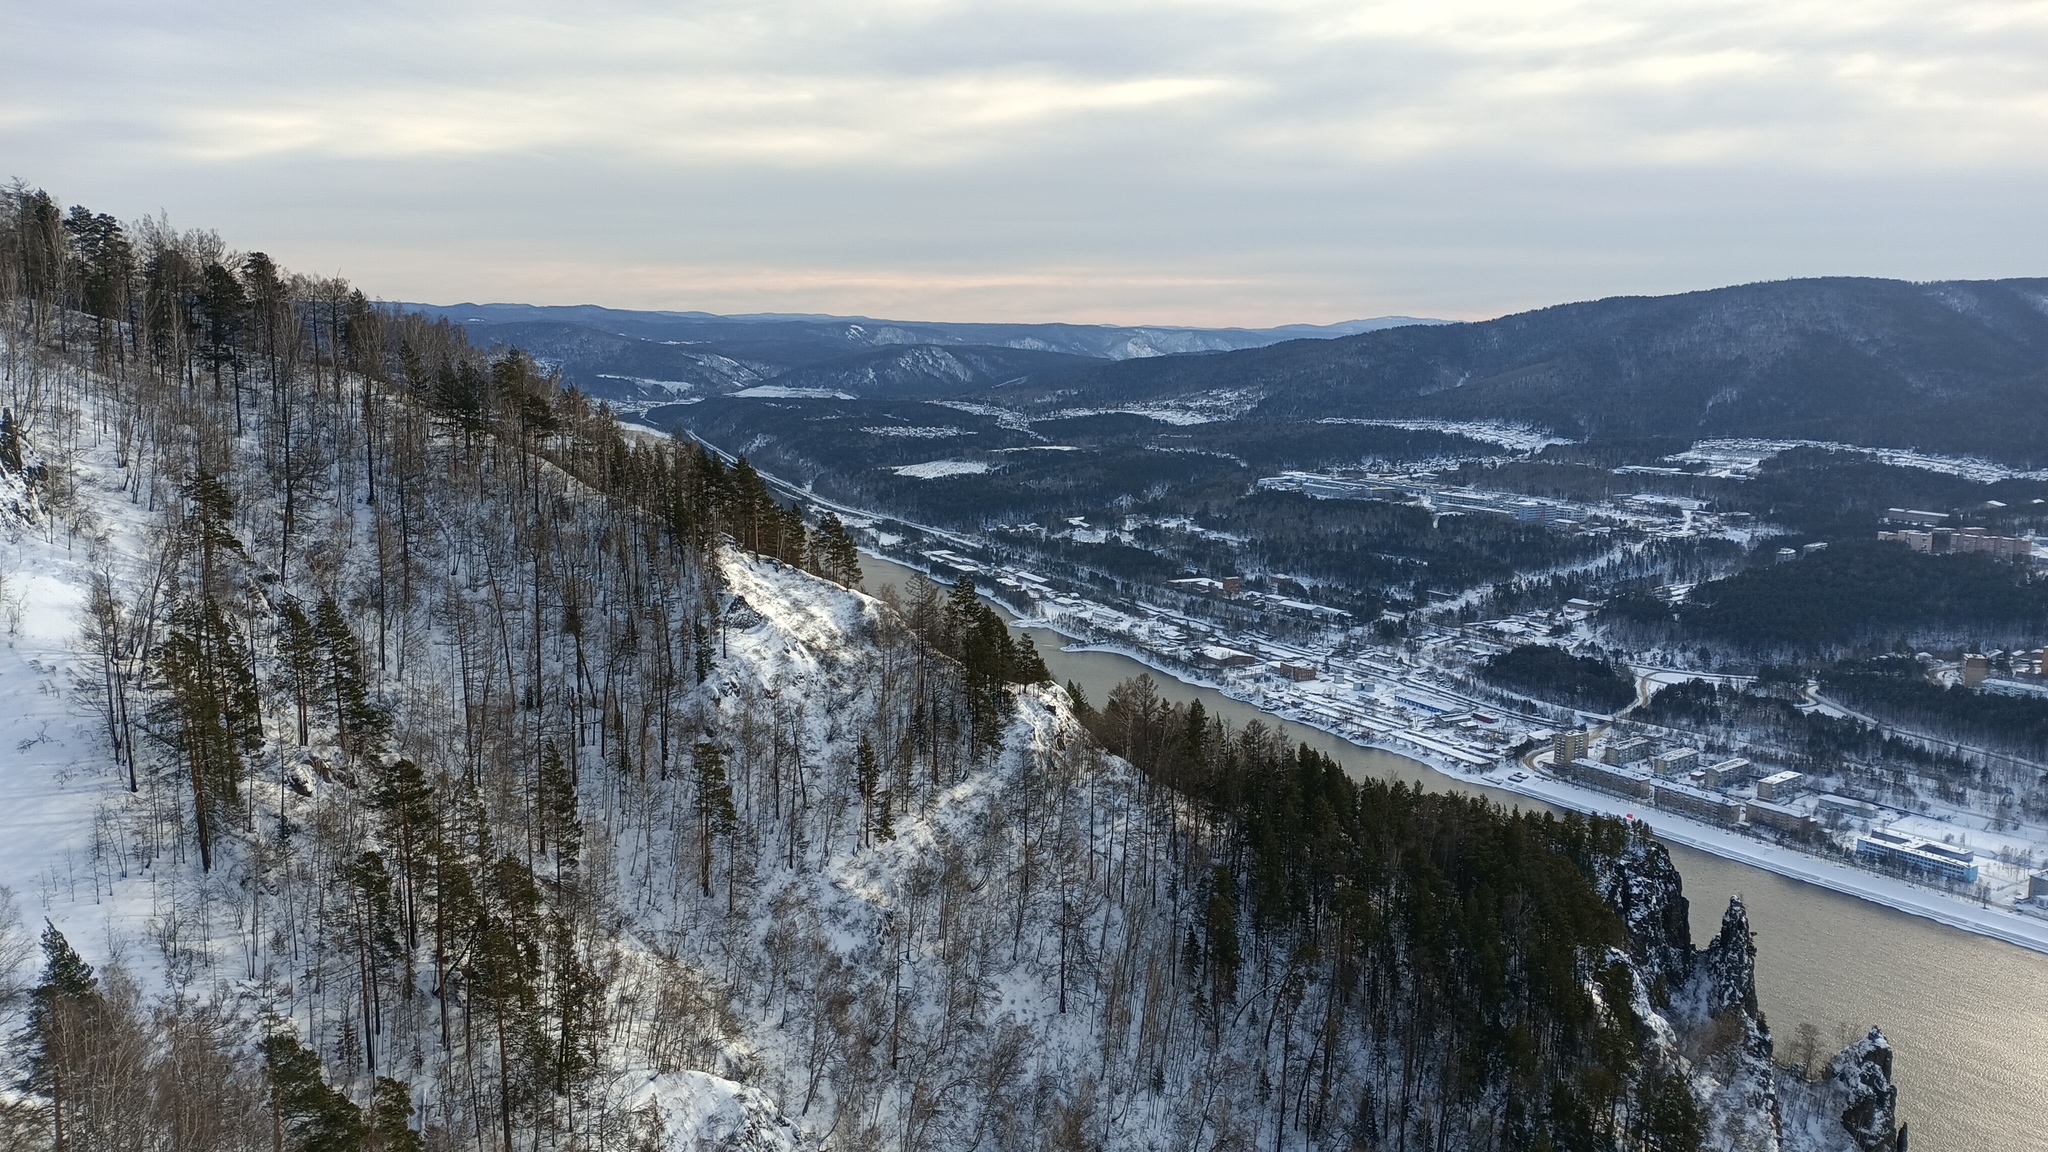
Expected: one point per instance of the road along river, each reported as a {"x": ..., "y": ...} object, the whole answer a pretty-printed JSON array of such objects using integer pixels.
[{"x": 1968, "y": 1014}]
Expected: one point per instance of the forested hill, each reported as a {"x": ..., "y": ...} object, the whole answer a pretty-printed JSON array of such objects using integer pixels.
[
  {"x": 1955, "y": 367},
  {"x": 406, "y": 756}
]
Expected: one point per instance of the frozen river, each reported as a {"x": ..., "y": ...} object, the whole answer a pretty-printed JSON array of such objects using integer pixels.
[{"x": 1968, "y": 1014}]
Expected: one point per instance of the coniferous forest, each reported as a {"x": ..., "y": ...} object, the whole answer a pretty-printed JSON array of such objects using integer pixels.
[{"x": 463, "y": 769}]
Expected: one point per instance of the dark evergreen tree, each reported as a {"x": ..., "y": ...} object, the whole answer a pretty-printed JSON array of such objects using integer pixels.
[
  {"x": 834, "y": 554},
  {"x": 209, "y": 713},
  {"x": 867, "y": 776},
  {"x": 403, "y": 799},
  {"x": 63, "y": 1025},
  {"x": 315, "y": 1116},
  {"x": 358, "y": 720},
  {"x": 711, "y": 799},
  {"x": 10, "y": 444},
  {"x": 556, "y": 807},
  {"x": 390, "y": 1118},
  {"x": 298, "y": 650}
]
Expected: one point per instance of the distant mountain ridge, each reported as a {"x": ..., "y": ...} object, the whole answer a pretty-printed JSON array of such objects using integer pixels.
[
  {"x": 1949, "y": 366},
  {"x": 1953, "y": 367},
  {"x": 626, "y": 354}
]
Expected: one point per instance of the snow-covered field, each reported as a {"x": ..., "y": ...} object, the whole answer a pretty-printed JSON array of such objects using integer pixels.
[
  {"x": 785, "y": 392},
  {"x": 64, "y": 848},
  {"x": 917, "y": 432},
  {"x": 1522, "y": 438},
  {"x": 1739, "y": 458},
  {"x": 940, "y": 469}
]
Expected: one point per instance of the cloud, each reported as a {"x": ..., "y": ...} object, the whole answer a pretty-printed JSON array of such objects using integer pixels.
[{"x": 1337, "y": 156}]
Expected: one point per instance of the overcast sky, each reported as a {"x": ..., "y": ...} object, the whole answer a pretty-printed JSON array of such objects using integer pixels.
[{"x": 1228, "y": 161}]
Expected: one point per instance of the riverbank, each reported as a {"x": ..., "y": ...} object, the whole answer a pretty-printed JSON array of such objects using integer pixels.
[
  {"x": 2002, "y": 924},
  {"x": 1961, "y": 913},
  {"x": 1954, "y": 1002},
  {"x": 1441, "y": 764}
]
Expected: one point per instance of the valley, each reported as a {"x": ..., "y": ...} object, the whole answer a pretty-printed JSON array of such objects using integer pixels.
[
  {"x": 1426, "y": 696},
  {"x": 1944, "y": 993},
  {"x": 409, "y": 756}
]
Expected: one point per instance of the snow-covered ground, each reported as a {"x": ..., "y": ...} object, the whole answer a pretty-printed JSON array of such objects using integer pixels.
[
  {"x": 697, "y": 1112},
  {"x": 785, "y": 392},
  {"x": 917, "y": 432},
  {"x": 1179, "y": 417},
  {"x": 1740, "y": 458},
  {"x": 64, "y": 852},
  {"x": 940, "y": 469},
  {"x": 1008, "y": 418},
  {"x": 1521, "y": 438}
]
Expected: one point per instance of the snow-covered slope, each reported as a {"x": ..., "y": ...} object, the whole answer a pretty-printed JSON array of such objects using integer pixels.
[{"x": 702, "y": 850}]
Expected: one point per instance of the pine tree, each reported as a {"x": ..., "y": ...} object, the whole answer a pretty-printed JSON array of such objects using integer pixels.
[
  {"x": 404, "y": 800},
  {"x": 503, "y": 965},
  {"x": 377, "y": 946},
  {"x": 237, "y": 685},
  {"x": 390, "y": 1114},
  {"x": 747, "y": 505},
  {"x": 106, "y": 261},
  {"x": 885, "y": 825},
  {"x": 223, "y": 305},
  {"x": 834, "y": 554},
  {"x": 1669, "y": 1118},
  {"x": 358, "y": 720},
  {"x": 211, "y": 523},
  {"x": 867, "y": 774},
  {"x": 792, "y": 540},
  {"x": 1028, "y": 667},
  {"x": 210, "y": 713},
  {"x": 556, "y": 804},
  {"x": 317, "y": 1117},
  {"x": 299, "y": 662},
  {"x": 987, "y": 657},
  {"x": 62, "y": 1018},
  {"x": 1219, "y": 927},
  {"x": 713, "y": 804},
  {"x": 10, "y": 443}
]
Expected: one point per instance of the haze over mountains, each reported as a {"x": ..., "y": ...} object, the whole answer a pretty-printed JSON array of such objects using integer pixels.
[
  {"x": 1952, "y": 366},
  {"x": 1947, "y": 366},
  {"x": 624, "y": 354}
]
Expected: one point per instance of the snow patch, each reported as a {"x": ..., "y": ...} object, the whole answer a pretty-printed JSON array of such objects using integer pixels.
[
  {"x": 915, "y": 432},
  {"x": 1004, "y": 417},
  {"x": 1741, "y": 457},
  {"x": 1513, "y": 437},
  {"x": 939, "y": 469},
  {"x": 699, "y": 1112},
  {"x": 780, "y": 392}
]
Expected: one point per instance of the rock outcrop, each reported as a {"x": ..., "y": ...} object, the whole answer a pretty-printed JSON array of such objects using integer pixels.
[
  {"x": 1648, "y": 893},
  {"x": 1727, "y": 965},
  {"x": 1862, "y": 1076},
  {"x": 1718, "y": 1040}
]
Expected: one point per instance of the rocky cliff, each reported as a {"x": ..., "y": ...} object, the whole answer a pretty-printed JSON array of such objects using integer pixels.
[{"x": 1718, "y": 1038}]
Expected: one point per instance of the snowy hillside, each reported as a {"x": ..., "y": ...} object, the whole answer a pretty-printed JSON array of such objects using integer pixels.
[{"x": 403, "y": 757}]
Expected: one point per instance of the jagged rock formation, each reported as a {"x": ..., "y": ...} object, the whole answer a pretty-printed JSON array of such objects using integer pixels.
[
  {"x": 1729, "y": 963},
  {"x": 1650, "y": 897},
  {"x": 1862, "y": 1075},
  {"x": 1718, "y": 1039}
]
